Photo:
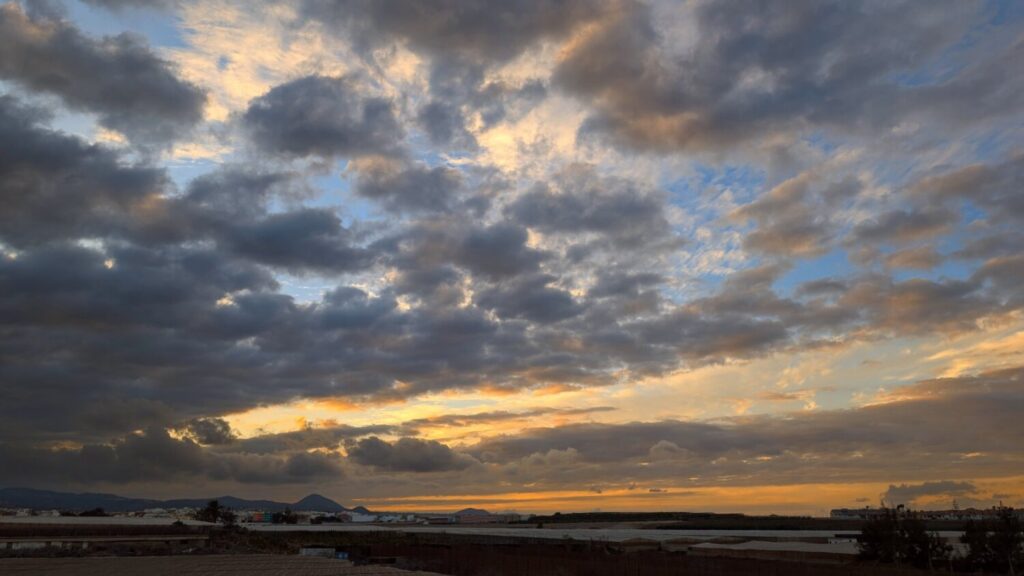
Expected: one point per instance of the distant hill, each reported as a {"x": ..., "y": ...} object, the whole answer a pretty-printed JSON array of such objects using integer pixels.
[
  {"x": 49, "y": 500},
  {"x": 472, "y": 512}
]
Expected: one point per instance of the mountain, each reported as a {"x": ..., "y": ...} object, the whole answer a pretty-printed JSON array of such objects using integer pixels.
[
  {"x": 318, "y": 503},
  {"x": 50, "y": 500},
  {"x": 472, "y": 512}
]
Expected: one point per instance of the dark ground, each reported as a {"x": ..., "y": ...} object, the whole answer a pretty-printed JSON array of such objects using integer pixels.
[{"x": 455, "y": 555}]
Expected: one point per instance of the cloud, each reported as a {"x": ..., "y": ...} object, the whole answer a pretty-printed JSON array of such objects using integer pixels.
[
  {"x": 905, "y": 437},
  {"x": 126, "y": 4},
  {"x": 460, "y": 420},
  {"x": 154, "y": 456},
  {"x": 129, "y": 87},
  {"x": 531, "y": 298},
  {"x": 622, "y": 214},
  {"x": 750, "y": 72},
  {"x": 910, "y": 493},
  {"x": 923, "y": 258},
  {"x": 306, "y": 439},
  {"x": 56, "y": 187},
  {"x": 322, "y": 116},
  {"x": 407, "y": 455},
  {"x": 992, "y": 187},
  {"x": 475, "y": 31},
  {"x": 210, "y": 431},
  {"x": 903, "y": 226},
  {"x": 400, "y": 187},
  {"x": 788, "y": 223}
]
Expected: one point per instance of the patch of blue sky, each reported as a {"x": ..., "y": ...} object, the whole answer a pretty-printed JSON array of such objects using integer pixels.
[
  {"x": 833, "y": 264},
  {"x": 181, "y": 171},
  {"x": 820, "y": 140},
  {"x": 950, "y": 269},
  {"x": 79, "y": 124},
  {"x": 1005, "y": 12},
  {"x": 160, "y": 28},
  {"x": 997, "y": 143},
  {"x": 334, "y": 190},
  {"x": 304, "y": 289},
  {"x": 702, "y": 196}
]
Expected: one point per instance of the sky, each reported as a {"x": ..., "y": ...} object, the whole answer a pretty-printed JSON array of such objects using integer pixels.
[{"x": 534, "y": 256}]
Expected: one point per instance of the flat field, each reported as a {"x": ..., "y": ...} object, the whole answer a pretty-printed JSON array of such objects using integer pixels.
[{"x": 253, "y": 564}]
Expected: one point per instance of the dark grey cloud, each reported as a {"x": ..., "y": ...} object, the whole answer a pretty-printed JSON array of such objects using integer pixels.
[
  {"x": 322, "y": 116},
  {"x": 119, "y": 78},
  {"x": 789, "y": 222},
  {"x": 210, "y": 431},
  {"x": 473, "y": 31},
  {"x": 459, "y": 420},
  {"x": 902, "y": 226},
  {"x": 756, "y": 69},
  {"x": 461, "y": 40},
  {"x": 995, "y": 188},
  {"x": 920, "y": 306},
  {"x": 531, "y": 298},
  {"x": 910, "y": 493},
  {"x": 907, "y": 433},
  {"x": 445, "y": 125},
  {"x": 306, "y": 439},
  {"x": 430, "y": 254},
  {"x": 904, "y": 432},
  {"x": 154, "y": 456},
  {"x": 303, "y": 239},
  {"x": 400, "y": 187},
  {"x": 127, "y": 4},
  {"x": 618, "y": 283},
  {"x": 922, "y": 258},
  {"x": 55, "y": 186},
  {"x": 232, "y": 206},
  {"x": 622, "y": 214},
  {"x": 407, "y": 455}
]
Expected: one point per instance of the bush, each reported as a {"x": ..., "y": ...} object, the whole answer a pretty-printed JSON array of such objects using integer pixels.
[
  {"x": 995, "y": 545},
  {"x": 898, "y": 537}
]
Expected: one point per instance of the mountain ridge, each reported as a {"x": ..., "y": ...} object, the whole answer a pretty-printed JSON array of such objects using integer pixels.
[{"x": 16, "y": 497}]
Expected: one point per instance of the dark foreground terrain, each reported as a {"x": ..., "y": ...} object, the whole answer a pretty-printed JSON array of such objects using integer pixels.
[
  {"x": 249, "y": 565},
  {"x": 182, "y": 550}
]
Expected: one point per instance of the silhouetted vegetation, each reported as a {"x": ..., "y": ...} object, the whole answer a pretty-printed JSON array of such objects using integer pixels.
[
  {"x": 995, "y": 545},
  {"x": 286, "y": 517},
  {"x": 95, "y": 512},
  {"x": 214, "y": 512},
  {"x": 900, "y": 537}
]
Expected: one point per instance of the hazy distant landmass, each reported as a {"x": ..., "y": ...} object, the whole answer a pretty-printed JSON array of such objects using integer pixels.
[
  {"x": 472, "y": 512},
  {"x": 47, "y": 499}
]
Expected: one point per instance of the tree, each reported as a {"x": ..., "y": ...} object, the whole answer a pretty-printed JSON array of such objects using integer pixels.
[
  {"x": 896, "y": 537},
  {"x": 228, "y": 518},
  {"x": 211, "y": 513},
  {"x": 879, "y": 538},
  {"x": 975, "y": 536},
  {"x": 1006, "y": 541},
  {"x": 286, "y": 517},
  {"x": 920, "y": 548},
  {"x": 94, "y": 512},
  {"x": 997, "y": 545}
]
